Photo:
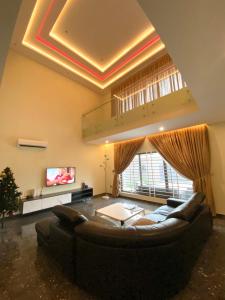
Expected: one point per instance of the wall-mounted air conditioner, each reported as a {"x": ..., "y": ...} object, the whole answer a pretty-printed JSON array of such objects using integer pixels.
[{"x": 32, "y": 143}]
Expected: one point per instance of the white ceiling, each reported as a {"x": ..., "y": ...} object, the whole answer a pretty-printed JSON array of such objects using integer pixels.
[{"x": 100, "y": 28}]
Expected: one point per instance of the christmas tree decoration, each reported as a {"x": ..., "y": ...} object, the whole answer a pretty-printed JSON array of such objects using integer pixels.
[{"x": 9, "y": 194}]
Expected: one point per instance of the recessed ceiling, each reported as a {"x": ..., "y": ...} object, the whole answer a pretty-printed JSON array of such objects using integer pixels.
[
  {"x": 108, "y": 39},
  {"x": 96, "y": 40}
]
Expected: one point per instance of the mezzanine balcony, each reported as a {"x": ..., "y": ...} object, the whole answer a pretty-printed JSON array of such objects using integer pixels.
[{"x": 166, "y": 97}]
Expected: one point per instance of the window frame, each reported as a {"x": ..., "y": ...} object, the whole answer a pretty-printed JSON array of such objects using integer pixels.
[{"x": 169, "y": 192}]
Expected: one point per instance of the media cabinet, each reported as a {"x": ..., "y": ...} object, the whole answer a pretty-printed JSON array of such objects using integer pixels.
[{"x": 47, "y": 201}]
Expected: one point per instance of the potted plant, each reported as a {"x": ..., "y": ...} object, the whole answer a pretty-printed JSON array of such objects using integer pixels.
[{"x": 9, "y": 195}]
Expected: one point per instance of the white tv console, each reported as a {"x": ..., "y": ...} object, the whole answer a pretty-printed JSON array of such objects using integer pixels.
[{"x": 50, "y": 200}]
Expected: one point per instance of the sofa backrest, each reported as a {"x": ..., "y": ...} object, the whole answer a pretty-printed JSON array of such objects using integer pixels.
[
  {"x": 188, "y": 210},
  {"x": 197, "y": 196},
  {"x": 131, "y": 236}
]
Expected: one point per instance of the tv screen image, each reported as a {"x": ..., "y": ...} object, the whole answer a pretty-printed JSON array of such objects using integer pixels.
[{"x": 60, "y": 176}]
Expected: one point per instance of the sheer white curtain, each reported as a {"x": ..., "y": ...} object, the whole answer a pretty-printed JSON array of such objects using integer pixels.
[{"x": 158, "y": 79}]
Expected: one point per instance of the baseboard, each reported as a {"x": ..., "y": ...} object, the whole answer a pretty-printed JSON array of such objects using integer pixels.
[
  {"x": 102, "y": 194},
  {"x": 143, "y": 198},
  {"x": 220, "y": 216}
]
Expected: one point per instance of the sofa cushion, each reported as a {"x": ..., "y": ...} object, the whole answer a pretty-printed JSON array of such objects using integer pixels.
[
  {"x": 68, "y": 217},
  {"x": 143, "y": 222},
  {"x": 188, "y": 210},
  {"x": 164, "y": 210},
  {"x": 156, "y": 217}
]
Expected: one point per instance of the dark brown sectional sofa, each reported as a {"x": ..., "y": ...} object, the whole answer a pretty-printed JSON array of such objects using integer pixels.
[{"x": 129, "y": 262}]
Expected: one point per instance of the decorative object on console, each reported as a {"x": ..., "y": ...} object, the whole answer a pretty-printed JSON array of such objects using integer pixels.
[
  {"x": 38, "y": 192},
  {"x": 84, "y": 186},
  {"x": 9, "y": 195},
  {"x": 30, "y": 194}
]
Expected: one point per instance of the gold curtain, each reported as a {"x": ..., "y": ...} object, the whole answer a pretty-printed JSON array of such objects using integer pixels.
[
  {"x": 123, "y": 154},
  {"x": 146, "y": 85},
  {"x": 187, "y": 150}
]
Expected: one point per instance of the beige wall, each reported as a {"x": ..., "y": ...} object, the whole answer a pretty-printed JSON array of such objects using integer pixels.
[
  {"x": 217, "y": 145},
  {"x": 37, "y": 103}
]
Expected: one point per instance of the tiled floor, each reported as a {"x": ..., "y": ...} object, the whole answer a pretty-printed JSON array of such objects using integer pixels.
[{"x": 27, "y": 273}]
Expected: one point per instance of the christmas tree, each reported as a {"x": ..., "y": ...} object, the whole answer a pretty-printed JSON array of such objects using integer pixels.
[{"x": 9, "y": 195}]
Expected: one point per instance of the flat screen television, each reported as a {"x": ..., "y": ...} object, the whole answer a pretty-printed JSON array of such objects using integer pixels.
[{"x": 60, "y": 176}]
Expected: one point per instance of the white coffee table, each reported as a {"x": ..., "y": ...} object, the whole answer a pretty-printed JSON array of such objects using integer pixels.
[{"x": 119, "y": 212}]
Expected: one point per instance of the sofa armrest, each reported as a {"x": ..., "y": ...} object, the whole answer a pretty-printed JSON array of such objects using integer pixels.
[
  {"x": 174, "y": 202},
  {"x": 68, "y": 217}
]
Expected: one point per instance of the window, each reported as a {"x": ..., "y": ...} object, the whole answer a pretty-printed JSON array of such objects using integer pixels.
[{"x": 150, "y": 174}]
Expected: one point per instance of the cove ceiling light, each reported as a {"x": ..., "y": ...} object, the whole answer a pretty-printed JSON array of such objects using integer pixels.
[{"x": 35, "y": 38}]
